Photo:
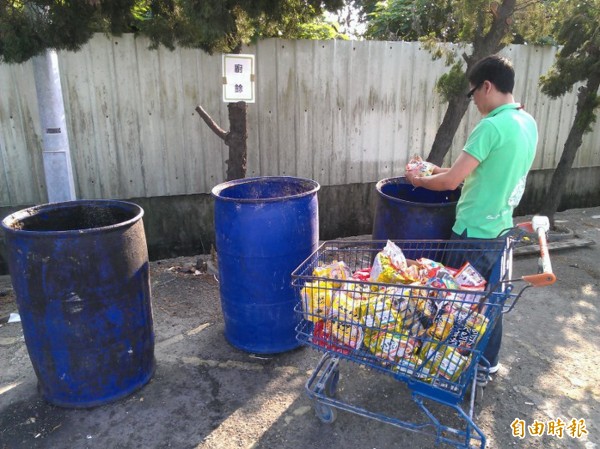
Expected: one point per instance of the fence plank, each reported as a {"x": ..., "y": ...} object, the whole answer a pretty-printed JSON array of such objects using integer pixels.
[{"x": 339, "y": 112}]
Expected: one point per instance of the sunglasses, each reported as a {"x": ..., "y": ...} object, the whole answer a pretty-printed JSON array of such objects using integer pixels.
[{"x": 472, "y": 91}]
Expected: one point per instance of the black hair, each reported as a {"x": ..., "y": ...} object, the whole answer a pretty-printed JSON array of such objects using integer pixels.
[{"x": 495, "y": 69}]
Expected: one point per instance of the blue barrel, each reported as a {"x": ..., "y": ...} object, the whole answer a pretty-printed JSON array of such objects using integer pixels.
[
  {"x": 406, "y": 212},
  {"x": 265, "y": 227},
  {"x": 79, "y": 270}
]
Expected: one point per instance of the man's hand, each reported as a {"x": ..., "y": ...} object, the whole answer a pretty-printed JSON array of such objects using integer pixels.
[{"x": 411, "y": 176}]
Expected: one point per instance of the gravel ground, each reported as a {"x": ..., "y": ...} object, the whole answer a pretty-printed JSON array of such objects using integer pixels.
[{"x": 207, "y": 394}]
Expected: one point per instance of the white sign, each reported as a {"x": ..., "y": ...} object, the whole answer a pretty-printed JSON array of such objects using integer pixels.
[{"x": 238, "y": 78}]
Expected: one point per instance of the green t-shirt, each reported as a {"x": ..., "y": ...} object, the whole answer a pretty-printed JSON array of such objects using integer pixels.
[{"x": 504, "y": 143}]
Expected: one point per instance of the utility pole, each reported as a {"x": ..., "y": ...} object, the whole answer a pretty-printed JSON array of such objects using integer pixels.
[{"x": 58, "y": 170}]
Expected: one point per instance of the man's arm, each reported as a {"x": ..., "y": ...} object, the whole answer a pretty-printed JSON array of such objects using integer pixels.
[{"x": 446, "y": 179}]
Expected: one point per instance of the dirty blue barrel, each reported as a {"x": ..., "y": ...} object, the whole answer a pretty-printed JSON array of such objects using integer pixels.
[
  {"x": 265, "y": 227},
  {"x": 406, "y": 212},
  {"x": 79, "y": 270}
]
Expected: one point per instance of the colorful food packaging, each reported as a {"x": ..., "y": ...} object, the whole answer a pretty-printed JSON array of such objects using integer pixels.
[
  {"x": 422, "y": 167},
  {"x": 350, "y": 335},
  {"x": 406, "y": 310},
  {"x": 427, "y": 310},
  {"x": 442, "y": 281},
  {"x": 345, "y": 308},
  {"x": 423, "y": 322},
  {"x": 442, "y": 360},
  {"x": 357, "y": 290},
  {"x": 362, "y": 275},
  {"x": 473, "y": 298},
  {"x": 416, "y": 329},
  {"x": 410, "y": 366},
  {"x": 452, "y": 364},
  {"x": 468, "y": 276},
  {"x": 317, "y": 299},
  {"x": 391, "y": 346},
  {"x": 334, "y": 270},
  {"x": 444, "y": 365},
  {"x": 389, "y": 266},
  {"x": 322, "y": 337},
  {"x": 378, "y": 313},
  {"x": 469, "y": 327},
  {"x": 445, "y": 361},
  {"x": 385, "y": 272},
  {"x": 428, "y": 268},
  {"x": 442, "y": 326}
]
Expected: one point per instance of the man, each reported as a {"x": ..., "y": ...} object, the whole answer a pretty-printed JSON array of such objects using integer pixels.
[{"x": 493, "y": 167}]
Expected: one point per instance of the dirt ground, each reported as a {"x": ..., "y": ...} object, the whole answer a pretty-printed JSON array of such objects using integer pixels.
[{"x": 207, "y": 394}]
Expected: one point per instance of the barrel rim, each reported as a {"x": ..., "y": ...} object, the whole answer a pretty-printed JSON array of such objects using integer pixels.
[
  {"x": 216, "y": 190},
  {"x": 386, "y": 181},
  {"x": 30, "y": 211}
]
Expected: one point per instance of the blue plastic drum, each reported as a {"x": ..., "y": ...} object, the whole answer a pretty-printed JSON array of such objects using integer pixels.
[
  {"x": 80, "y": 274},
  {"x": 405, "y": 212},
  {"x": 265, "y": 227}
]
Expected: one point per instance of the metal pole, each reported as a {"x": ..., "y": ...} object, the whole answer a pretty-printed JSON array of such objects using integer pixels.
[{"x": 56, "y": 154}]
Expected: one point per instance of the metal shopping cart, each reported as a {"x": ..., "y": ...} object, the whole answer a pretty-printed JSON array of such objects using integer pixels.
[{"x": 423, "y": 331}]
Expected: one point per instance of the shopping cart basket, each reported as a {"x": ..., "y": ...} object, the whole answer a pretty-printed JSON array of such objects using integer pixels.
[{"x": 414, "y": 324}]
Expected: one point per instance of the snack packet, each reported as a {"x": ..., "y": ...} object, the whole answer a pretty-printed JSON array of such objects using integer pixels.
[
  {"x": 473, "y": 298},
  {"x": 357, "y": 290},
  {"x": 468, "y": 276},
  {"x": 406, "y": 310},
  {"x": 442, "y": 281},
  {"x": 427, "y": 310},
  {"x": 350, "y": 335},
  {"x": 441, "y": 327},
  {"x": 392, "y": 347},
  {"x": 445, "y": 361},
  {"x": 468, "y": 328},
  {"x": 428, "y": 268},
  {"x": 346, "y": 309},
  {"x": 422, "y": 167},
  {"x": 408, "y": 366},
  {"x": 317, "y": 299},
  {"x": 390, "y": 267},
  {"x": 378, "y": 315},
  {"x": 322, "y": 336},
  {"x": 452, "y": 364},
  {"x": 362, "y": 275},
  {"x": 333, "y": 270}
]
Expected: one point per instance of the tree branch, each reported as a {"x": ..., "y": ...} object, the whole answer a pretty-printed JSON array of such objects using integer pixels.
[
  {"x": 211, "y": 123},
  {"x": 525, "y": 5}
]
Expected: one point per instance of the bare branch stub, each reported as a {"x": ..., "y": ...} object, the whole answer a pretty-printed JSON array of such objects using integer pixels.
[{"x": 220, "y": 132}]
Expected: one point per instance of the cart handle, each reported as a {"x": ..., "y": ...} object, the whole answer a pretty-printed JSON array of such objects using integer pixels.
[{"x": 540, "y": 225}]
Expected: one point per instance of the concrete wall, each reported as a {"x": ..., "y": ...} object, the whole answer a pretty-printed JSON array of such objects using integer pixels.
[{"x": 338, "y": 112}]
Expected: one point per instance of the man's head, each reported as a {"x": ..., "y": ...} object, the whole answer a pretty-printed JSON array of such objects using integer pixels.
[
  {"x": 495, "y": 69},
  {"x": 491, "y": 82}
]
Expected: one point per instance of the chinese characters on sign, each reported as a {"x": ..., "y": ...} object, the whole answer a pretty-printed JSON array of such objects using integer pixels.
[
  {"x": 238, "y": 78},
  {"x": 558, "y": 428}
]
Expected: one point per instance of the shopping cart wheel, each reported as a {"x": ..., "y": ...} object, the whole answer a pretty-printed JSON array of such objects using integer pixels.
[
  {"x": 325, "y": 413},
  {"x": 479, "y": 390},
  {"x": 332, "y": 383}
]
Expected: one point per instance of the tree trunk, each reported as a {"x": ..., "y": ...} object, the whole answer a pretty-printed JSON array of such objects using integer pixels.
[
  {"x": 586, "y": 103},
  {"x": 483, "y": 45},
  {"x": 236, "y": 140},
  {"x": 443, "y": 138}
]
